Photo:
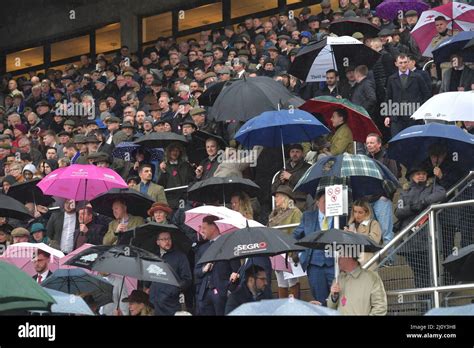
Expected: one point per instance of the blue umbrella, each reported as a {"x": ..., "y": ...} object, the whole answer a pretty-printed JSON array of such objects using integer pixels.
[
  {"x": 276, "y": 128},
  {"x": 289, "y": 306},
  {"x": 454, "y": 45},
  {"x": 457, "y": 310},
  {"x": 68, "y": 304},
  {"x": 126, "y": 151},
  {"x": 364, "y": 175},
  {"x": 410, "y": 146}
]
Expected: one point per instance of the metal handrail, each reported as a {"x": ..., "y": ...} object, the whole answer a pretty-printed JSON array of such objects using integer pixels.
[
  {"x": 444, "y": 288},
  {"x": 176, "y": 188},
  {"x": 414, "y": 222}
]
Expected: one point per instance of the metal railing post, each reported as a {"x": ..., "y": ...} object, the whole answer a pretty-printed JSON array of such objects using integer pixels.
[{"x": 434, "y": 259}]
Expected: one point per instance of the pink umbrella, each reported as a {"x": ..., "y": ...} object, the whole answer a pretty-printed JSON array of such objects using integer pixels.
[
  {"x": 279, "y": 264},
  {"x": 21, "y": 255},
  {"x": 130, "y": 283},
  {"x": 194, "y": 217},
  {"x": 80, "y": 182},
  {"x": 460, "y": 17}
]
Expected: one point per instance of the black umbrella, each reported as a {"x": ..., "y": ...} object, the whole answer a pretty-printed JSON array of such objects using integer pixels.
[
  {"x": 144, "y": 237},
  {"x": 160, "y": 140},
  {"x": 126, "y": 260},
  {"x": 461, "y": 264},
  {"x": 250, "y": 97},
  {"x": 137, "y": 203},
  {"x": 250, "y": 241},
  {"x": 348, "y": 26},
  {"x": 335, "y": 237},
  {"x": 313, "y": 60},
  {"x": 210, "y": 95},
  {"x": 28, "y": 192},
  {"x": 10, "y": 207},
  {"x": 77, "y": 281},
  {"x": 220, "y": 189}
]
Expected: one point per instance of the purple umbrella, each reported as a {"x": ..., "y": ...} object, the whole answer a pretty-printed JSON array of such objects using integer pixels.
[{"x": 389, "y": 9}]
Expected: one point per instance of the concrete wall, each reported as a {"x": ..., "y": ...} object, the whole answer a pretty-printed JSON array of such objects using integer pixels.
[{"x": 24, "y": 23}]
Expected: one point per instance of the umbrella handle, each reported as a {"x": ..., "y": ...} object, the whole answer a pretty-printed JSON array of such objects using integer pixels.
[{"x": 120, "y": 293}]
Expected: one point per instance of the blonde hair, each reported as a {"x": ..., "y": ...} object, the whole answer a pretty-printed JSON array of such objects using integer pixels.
[
  {"x": 364, "y": 205},
  {"x": 287, "y": 202},
  {"x": 245, "y": 205}
]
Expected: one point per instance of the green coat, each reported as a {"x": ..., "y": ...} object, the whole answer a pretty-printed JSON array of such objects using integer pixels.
[
  {"x": 110, "y": 238},
  {"x": 289, "y": 216},
  {"x": 341, "y": 141},
  {"x": 154, "y": 191},
  {"x": 176, "y": 175}
]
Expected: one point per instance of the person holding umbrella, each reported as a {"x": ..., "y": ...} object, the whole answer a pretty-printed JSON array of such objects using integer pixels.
[
  {"x": 175, "y": 172},
  {"x": 123, "y": 222},
  {"x": 212, "y": 279},
  {"x": 252, "y": 290},
  {"x": 357, "y": 291},
  {"x": 285, "y": 213},
  {"x": 164, "y": 297},
  {"x": 88, "y": 231}
]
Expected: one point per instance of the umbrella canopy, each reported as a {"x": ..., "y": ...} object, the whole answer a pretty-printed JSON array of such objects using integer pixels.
[
  {"x": 78, "y": 281},
  {"x": 461, "y": 265},
  {"x": 313, "y": 60},
  {"x": 348, "y": 26},
  {"x": 358, "y": 119},
  {"x": 235, "y": 223},
  {"x": 220, "y": 189},
  {"x": 127, "y": 150},
  {"x": 130, "y": 283},
  {"x": 22, "y": 255},
  {"x": 80, "y": 182},
  {"x": 19, "y": 292},
  {"x": 250, "y": 241},
  {"x": 28, "y": 192},
  {"x": 10, "y": 207},
  {"x": 160, "y": 140},
  {"x": 459, "y": 16},
  {"x": 68, "y": 304},
  {"x": 208, "y": 98},
  {"x": 366, "y": 175},
  {"x": 411, "y": 145},
  {"x": 456, "y": 310},
  {"x": 447, "y": 106},
  {"x": 248, "y": 98},
  {"x": 126, "y": 260},
  {"x": 334, "y": 237},
  {"x": 389, "y": 9},
  {"x": 194, "y": 217},
  {"x": 203, "y": 136},
  {"x": 285, "y": 306},
  {"x": 469, "y": 46},
  {"x": 137, "y": 203},
  {"x": 144, "y": 237},
  {"x": 274, "y": 128},
  {"x": 454, "y": 44}
]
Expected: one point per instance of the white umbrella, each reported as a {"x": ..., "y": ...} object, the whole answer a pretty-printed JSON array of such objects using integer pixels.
[
  {"x": 68, "y": 303},
  {"x": 449, "y": 106}
]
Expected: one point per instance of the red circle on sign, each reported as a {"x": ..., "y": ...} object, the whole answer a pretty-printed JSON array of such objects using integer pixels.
[
  {"x": 329, "y": 191},
  {"x": 337, "y": 190},
  {"x": 333, "y": 198}
]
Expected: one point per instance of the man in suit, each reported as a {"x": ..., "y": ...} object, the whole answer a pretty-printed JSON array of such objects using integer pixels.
[
  {"x": 41, "y": 265},
  {"x": 147, "y": 187},
  {"x": 406, "y": 91},
  {"x": 213, "y": 278},
  {"x": 61, "y": 226},
  {"x": 424, "y": 74},
  {"x": 319, "y": 268},
  {"x": 364, "y": 90},
  {"x": 165, "y": 298},
  {"x": 256, "y": 281}
]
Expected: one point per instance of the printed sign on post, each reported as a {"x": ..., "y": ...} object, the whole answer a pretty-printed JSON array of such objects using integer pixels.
[{"x": 335, "y": 200}]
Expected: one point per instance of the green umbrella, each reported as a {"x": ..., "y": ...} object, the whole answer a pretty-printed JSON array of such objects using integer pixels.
[{"x": 19, "y": 292}]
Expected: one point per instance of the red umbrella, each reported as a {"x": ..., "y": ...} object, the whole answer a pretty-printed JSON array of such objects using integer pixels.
[{"x": 358, "y": 120}]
